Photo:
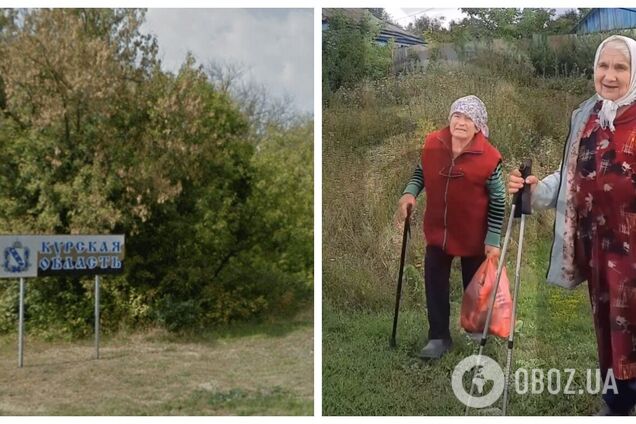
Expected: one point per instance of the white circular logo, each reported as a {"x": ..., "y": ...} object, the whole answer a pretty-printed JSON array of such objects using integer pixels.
[{"x": 483, "y": 370}]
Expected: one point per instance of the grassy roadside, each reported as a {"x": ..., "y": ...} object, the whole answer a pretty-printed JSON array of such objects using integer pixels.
[
  {"x": 363, "y": 376},
  {"x": 264, "y": 369}
]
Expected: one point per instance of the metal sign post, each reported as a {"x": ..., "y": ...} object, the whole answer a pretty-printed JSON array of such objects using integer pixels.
[
  {"x": 97, "y": 317},
  {"x": 30, "y": 256},
  {"x": 21, "y": 326}
]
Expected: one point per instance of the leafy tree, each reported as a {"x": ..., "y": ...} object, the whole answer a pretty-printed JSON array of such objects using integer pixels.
[
  {"x": 432, "y": 29},
  {"x": 381, "y": 14},
  {"x": 564, "y": 23},
  {"x": 98, "y": 139},
  {"x": 532, "y": 21},
  {"x": 424, "y": 24},
  {"x": 512, "y": 23},
  {"x": 490, "y": 22},
  {"x": 350, "y": 53}
]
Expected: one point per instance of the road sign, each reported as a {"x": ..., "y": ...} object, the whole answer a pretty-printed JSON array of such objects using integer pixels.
[{"x": 48, "y": 255}]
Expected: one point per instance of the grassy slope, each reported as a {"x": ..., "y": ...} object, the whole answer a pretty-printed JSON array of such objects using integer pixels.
[
  {"x": 372, "y": 136},
  {"x": 245, "y": 370},
  {"x": 363, "y": 376}
]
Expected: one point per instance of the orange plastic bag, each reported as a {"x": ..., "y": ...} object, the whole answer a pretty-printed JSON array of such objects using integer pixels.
[{"x": 477, "y": 299}]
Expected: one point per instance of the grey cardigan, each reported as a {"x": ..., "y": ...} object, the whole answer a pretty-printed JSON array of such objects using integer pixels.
[{"x": 551, "y": 192}]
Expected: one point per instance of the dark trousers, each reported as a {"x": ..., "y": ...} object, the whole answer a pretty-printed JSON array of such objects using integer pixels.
[
  {"x": 625, "y": 400},
  {"x": 437, "y": 267}
]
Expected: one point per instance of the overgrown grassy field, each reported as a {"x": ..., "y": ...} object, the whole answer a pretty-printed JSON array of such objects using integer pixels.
[
  {"x": 264, "y": 369},
  {"x": 371, "y": 141}
]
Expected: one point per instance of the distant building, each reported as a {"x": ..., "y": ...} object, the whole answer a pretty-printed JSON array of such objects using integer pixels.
[
  {"x": 388, "y": 31},
  {"x": 606, "y": 19}
]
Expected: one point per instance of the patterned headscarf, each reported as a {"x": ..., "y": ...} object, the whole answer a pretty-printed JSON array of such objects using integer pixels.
[
  {"x": 475, "y": 109},
  {"x": 608, "y": 111}
]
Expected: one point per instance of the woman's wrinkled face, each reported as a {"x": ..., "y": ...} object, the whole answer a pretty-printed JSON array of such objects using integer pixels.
[
  {"x": 612, "y": 74},
  {"x": 462, "y": 127}
]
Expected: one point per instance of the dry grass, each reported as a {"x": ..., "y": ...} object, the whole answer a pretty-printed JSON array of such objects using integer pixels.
[
  {"x": 266, "y": 369},
  {"x": 372, "y": 136}
]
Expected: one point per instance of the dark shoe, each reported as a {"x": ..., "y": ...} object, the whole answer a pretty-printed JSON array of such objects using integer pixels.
[
  {"x": 606, "y": 411},
  {"x": 435, "y": 348}
]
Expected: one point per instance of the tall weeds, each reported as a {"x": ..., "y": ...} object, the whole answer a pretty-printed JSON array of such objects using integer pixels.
[{"x": 372, "y": 135}]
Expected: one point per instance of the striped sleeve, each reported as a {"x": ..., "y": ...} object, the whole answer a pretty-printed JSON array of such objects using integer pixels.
[
  {"x": 416, "y": 184},
  {"x": 496, "y": 206}
]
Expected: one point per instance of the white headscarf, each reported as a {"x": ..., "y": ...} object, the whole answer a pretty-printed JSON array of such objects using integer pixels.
[
  {"x": 608, "y": 111},
  {"x": 475, "y": 109}
]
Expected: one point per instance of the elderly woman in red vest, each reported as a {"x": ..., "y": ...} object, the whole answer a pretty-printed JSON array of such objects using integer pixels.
[
  {"x": 465, "y": 195},
  {"x": 594, "y": 193}
]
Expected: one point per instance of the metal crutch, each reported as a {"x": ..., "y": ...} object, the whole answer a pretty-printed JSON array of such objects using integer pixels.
[
  {"x": 523, "y": 202},
  {"x": 398, "y": 294},
  {"x": 521, "y": 206}
]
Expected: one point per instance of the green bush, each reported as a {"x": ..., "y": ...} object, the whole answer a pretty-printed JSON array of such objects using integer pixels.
[
  {"x": 573, "y": 56},
  {"x": 512, "y": 62},
  {"x": 570, "y": 56},
  {"x": 350, "y": 54}
]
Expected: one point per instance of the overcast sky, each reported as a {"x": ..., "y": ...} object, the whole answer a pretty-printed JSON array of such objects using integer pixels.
[
  {"x": 403, "y": 16},
  {"x": 276, "y": 45}
]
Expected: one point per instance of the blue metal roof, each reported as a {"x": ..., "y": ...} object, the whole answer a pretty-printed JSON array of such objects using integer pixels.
[
  {"x": 607, "y": 19},
  {"x": 387, "y": 31},
  {"x": 400, "y": 38}
]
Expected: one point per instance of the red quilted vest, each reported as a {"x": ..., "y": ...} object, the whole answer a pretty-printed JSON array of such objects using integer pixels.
[{"x": 456, "y": 216}]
